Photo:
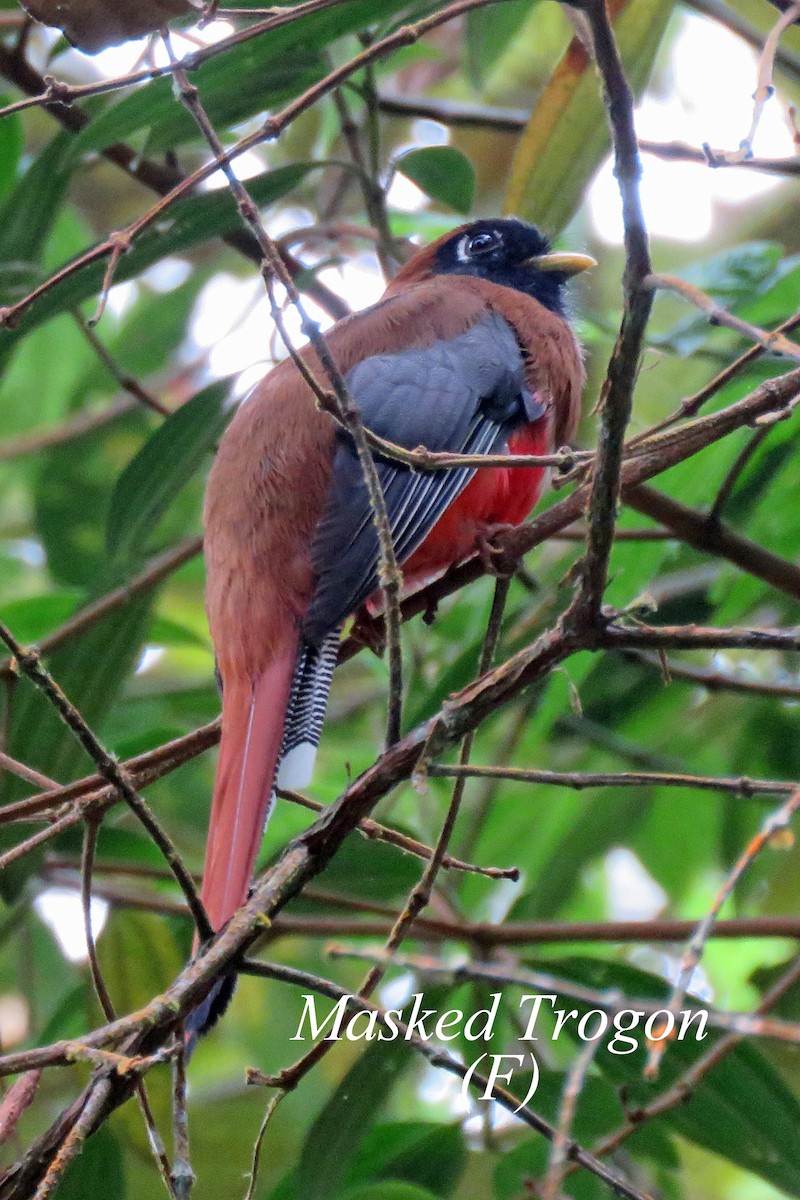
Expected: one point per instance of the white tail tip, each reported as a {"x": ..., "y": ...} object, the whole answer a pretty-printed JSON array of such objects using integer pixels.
[{"x": 297, "y": 767}]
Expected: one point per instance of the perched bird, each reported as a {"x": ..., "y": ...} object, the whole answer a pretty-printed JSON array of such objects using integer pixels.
[{"x": 469, "y": 350}]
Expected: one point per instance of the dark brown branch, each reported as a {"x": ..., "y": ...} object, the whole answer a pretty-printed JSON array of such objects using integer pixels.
[
  {"x": 717, "y": 681},
  {"x": 581, "y": 780},
  {"x": 482, "y": 936},
  {"x": 706, "y": 533},
  {"x": 695, "y": 637},
  {"x": 457, "y": 114},
  {"x": 617, "y": 392}
]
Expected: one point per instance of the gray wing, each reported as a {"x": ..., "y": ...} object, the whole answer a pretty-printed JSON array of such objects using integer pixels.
[{"x": 465, "y": 396}]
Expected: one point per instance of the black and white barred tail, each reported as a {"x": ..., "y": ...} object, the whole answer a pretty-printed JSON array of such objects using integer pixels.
[{"x": 305, "y": 711}]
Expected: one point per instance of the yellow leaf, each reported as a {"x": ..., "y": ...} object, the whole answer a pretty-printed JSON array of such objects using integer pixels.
[{"x": 567, "y": 136}]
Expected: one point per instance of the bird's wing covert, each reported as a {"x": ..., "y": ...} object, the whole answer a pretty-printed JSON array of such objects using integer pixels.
[{"x": 464, "y": 395}]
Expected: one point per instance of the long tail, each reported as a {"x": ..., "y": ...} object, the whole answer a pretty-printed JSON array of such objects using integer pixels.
[
  {"x": 270, "y": 733},
  {"x": 252, "y": 733}
]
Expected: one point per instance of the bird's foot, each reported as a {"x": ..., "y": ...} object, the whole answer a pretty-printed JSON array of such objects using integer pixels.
[
  {"x": 496, "y": 558},
  {"x": 369, "y": 632}
]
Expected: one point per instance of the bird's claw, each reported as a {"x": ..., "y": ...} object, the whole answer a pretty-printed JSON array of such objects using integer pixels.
[
  {"x": 496, "y": 558},
  {"x": 369, "y": 632}
]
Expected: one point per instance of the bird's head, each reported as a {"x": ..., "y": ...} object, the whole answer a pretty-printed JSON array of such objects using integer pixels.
[{"x": 506, "y": 251}]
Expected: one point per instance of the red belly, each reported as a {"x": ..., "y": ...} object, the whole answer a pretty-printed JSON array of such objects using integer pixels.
[{"x": 494, "y": 496}]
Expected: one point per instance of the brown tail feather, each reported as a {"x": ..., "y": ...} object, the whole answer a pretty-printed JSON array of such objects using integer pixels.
[{"x": 252, "y": 729}]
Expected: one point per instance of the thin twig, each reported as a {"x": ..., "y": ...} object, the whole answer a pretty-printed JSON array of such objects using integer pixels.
[
  {"x": 31, "y": 666},
  {"x": 127, "y": 382},
  {"x": 608, "y": 1000},
  {"x": 22, "y": 770},
  {"x": 437, "y": 1058},
  {"x": 691, "y": 405},
  {"x": 157, "y": 570},
  {"x": 341, "y": 404},
  {"x": 764, "y": 87},
  {"x": 116, "y": 242},
  {"x": 87, "y": 867},
  {"x": 18, "y": 1097},
  {"x": 481, "y": 935},
  {"x": 154, "y": 764},
  {"x": 182, "y": 1174},
  {"x": 774, "y": 343},
  {"x": 617, "y": 392},
  {"x": 580, "y": 780},
  {"x": 574, "y": 1081},
  {"x": 683, "y": 1087},
  {"x": 73, "y": 1142},
  {"x": 374, "y": 199},
  {"x": 776, "y": 823},
  {"x": 106, "y": 1003},
  {"x": 457, "y": 114},
  {"x": 272, "y": 1104},
  {"x": 697, "y": 637},
  {"x": 159, "y": 177},
  {"x": 718, "y": 681}
]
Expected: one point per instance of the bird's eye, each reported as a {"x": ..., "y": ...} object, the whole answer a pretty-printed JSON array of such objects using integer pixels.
[{"x": 482, "y": 242}]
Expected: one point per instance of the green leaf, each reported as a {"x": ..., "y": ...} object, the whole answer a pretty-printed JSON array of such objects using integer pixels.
[
  {"x": 69, "y": 1018},
  {"x": 340, "y": 1127},
  {"x": 36, "y": 616},
  {"x": 742, "y": 1109},
  {"x": 138, "y": 956},
  {"x": 27, "y": 216},
  {"x": 73, "y": 488},
  {"x": 416, "y": 1152},
  {"x": 389, "y": 1191},
  {"x": 236, "y": 84},
  {"x": 595, "y": 830},
  {"x": 736, "y": 274},
  {"x": 443, "y": 173},
  {"x": 11, "y": 145},
  {"x": 91, "y": 668},
  {"x": 97, "y": 1171},
  {"x": 164, "y": 464},
  {"x": 374, "y": 870},
  {"x": 187, "y": 224},
  {"x": 567, "y": 136},
  {"x": 490, "y": 31},
  {"x": 232, "y": 88}
]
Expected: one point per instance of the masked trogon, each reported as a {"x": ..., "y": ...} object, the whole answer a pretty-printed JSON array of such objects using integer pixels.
[{"x": 469, "y": 350}]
